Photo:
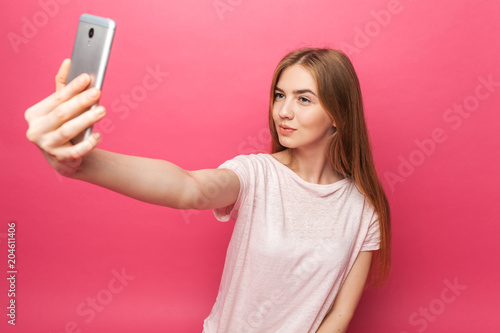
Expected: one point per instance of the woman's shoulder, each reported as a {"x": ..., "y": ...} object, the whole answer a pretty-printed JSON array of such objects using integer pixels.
[
  {"x": 261, "y": 157},
  {"x": 281, "y": 156}
]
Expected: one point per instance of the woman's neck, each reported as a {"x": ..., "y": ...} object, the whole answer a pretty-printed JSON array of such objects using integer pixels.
[{"x": 312, "y": 166}]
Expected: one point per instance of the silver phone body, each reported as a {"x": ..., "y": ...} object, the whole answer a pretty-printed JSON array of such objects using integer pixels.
[{"x": 90, "y": 54}]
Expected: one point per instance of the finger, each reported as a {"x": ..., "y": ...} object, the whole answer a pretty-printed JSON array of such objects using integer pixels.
[
  {"x": 45, "y": 106},
  {"x": 55, "y": 100},
  {"x": 75, "y": 152},
  {"x": 62, "y": 74},
  {"x": 41, "y": 128},
  {"x": 72, "y": 108},
  {"x": 75, "y": 126}
]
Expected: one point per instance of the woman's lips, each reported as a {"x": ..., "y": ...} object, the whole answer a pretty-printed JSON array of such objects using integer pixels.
[{"x": 286, "y": 129}]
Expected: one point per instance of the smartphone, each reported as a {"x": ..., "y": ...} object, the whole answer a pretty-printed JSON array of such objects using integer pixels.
[{"x": 90, "y": 55}]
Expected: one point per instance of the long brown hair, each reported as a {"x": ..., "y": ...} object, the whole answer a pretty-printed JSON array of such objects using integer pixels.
[{"x": 349, "y": 151}]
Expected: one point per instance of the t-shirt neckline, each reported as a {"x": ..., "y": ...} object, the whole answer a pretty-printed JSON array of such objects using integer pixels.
[{"x": 336, "y": 184}]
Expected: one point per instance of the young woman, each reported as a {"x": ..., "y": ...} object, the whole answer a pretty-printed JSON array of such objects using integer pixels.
[{"x": 309, "y": 216}]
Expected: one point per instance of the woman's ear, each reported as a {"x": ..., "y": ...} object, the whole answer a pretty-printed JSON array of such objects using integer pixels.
[
  {"x": 333, "y": 122},
  {"x": 334, "y": 128}
]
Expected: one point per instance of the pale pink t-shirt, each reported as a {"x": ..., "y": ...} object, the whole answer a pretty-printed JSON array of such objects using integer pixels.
[{"x": 292, "y": 247}]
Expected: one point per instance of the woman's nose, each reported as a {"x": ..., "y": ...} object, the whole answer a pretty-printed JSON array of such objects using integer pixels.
[{"x": 286, "y": 110}]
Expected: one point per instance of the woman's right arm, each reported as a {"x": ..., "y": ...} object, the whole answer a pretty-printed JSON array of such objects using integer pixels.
[
  {"x": 159, "y": 182},
  {"x": 52, "y": 126}
]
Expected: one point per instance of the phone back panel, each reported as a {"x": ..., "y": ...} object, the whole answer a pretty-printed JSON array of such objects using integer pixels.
[{"x": 91, "y": 53}]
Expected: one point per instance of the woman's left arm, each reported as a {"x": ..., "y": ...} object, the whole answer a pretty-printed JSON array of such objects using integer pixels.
[{"x": 337, "y": 320}]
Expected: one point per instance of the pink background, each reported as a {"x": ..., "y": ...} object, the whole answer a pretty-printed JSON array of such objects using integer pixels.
[{"x": 419, "y": 62}]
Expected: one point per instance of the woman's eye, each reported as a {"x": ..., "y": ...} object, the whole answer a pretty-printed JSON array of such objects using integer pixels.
[
  {"x": 304, "y": 100},
  {"x": 279, "y": 96}
]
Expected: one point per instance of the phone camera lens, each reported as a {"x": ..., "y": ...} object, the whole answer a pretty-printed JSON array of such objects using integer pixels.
[{"x": 91, "y": 32}]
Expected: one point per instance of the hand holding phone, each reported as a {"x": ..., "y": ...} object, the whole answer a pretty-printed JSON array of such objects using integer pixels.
[
  {"x": 53, "y": 121},
  {"x": 90, "y": 54}
]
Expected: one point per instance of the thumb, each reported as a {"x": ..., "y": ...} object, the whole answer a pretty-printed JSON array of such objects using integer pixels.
[{"x": 62, "y": 74}]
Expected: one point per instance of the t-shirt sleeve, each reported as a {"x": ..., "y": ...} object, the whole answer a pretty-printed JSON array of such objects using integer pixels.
[
  {"x": 242, "y": 167},
  {"x": 372, "y": 239}
]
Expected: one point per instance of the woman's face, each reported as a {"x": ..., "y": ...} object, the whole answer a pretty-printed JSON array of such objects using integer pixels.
[{"x": 300, "y": 120}]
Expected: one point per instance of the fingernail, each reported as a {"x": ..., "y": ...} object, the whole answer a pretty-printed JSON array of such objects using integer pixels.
[
  {"x": 83, "y": 78},
  {"x": 99, "y": 111},
  {"x": 97, "y": 136},
  {"x": 93, "y": 92}
]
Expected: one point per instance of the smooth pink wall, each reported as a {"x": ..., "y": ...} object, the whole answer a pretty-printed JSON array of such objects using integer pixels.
[{"x": 431, "y": 82}]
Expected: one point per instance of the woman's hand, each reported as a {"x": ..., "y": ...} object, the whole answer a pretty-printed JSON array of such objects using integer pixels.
[{"x": 52, "y": 126}]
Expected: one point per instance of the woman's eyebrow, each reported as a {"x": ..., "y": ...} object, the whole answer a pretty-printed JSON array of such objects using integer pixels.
[{"x": 298, "y": 91}]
